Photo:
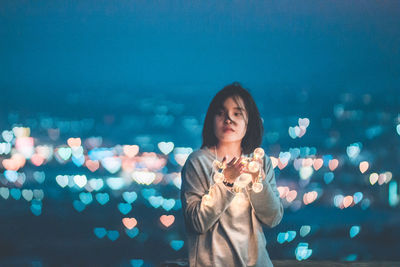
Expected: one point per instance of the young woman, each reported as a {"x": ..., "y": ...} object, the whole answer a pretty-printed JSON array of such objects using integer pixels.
[{"x": 224, "y": 214}]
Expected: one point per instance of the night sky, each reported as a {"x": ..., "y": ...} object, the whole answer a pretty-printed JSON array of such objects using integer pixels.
[{"x": 170, "y": 46}]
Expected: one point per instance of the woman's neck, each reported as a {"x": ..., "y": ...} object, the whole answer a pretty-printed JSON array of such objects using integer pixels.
[{"x": 230, "y": 150}]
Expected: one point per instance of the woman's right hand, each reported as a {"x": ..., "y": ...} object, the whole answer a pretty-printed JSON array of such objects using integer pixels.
[{"x": 233, "y": 169}]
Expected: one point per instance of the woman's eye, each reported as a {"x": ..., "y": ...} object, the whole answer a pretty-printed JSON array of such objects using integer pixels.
[{"x": 238, "y": 114}]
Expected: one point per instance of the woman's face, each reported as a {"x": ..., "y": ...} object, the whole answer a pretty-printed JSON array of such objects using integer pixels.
[{"x": 230, "y": 122}]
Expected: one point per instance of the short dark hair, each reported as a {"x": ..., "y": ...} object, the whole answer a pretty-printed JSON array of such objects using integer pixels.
[{"x": 255, "y": 129}]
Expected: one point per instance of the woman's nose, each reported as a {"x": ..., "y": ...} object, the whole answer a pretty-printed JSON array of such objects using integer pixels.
[{"x": 227, "y": 118}]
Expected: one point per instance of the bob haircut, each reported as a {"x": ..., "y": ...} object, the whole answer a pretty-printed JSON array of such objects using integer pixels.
[{"x": 255, "y": 129}]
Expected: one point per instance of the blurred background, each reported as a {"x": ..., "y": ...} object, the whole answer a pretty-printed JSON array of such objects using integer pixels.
[{"x": 102, "y": 101}]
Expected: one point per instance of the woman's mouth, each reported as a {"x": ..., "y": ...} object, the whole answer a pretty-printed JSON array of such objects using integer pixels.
[{"x": 227, "y": 130}]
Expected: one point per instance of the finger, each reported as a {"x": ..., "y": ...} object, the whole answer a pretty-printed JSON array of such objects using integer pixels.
[
  {"x": 232, "y": 161},
  {"x": 240, "y": 162},
  {"x": 223, "y": 160}
]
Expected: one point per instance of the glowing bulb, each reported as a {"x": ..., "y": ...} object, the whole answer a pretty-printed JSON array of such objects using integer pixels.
[
  {"x": 217, "y": 165},
  {"x": 253, "y": 166},
  {"x": 207, "y": 200},
  {"x": 259, "y": 152},
  {"x": 257, "y": 187},
  {"x": 243, "y": 180},
  {"x": 218, "y": 177}
]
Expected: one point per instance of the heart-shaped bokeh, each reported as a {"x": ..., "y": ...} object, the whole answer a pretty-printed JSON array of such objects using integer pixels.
[
  {"x": 129, "y": 197},
  {"x": 168, "y": 204},
  {"x": 96, "y": 184},
  {"x": 318, "y": 164},
  {"x": 132, "y": 232},
  {"x": 124, "y": 208},
  {"x": 80, "y": 180},
  {"x": 78, "y": 161},
  {"x": 7, "y": 136},
  {"x": 167, "y": 220},
  {"x": 15, "y": 193},
  {"x": 92, "y": 165},
  {"x": 148, "y": 192},
  {"x": 102, "y": 198},
  {"x": 129, "y": 222},
  {"x": 302, "y": 251},
  {"x": 156, "y": 201},
  {"x": 166, "y": 147},
  {"x": 292, "y": 132},
  {"x": 357, "y": 197},
  {"x": 36, "y": 208},
  {"x": 27, "y": 194},
  {"x": 64, "y": 152},
  {"x": 328, "y": 177},
  {"x": 39, "y": 176},
  {"x": 37, "y": 160},
  {"x": 38, "y": 194},
  {"x": 333, "y": 163},
  {"x": 62, "y": 180},
  {"x": 180, "y": 158},
  {"x": 79, "y": 206},
  {"x": 305, "y": 230},
  {"x": 86, "y": 198},
  {"x": 347, "y": 201},
  {"x": 136, "y": 262},
  {"x": 176, "y": 244},
  {"x": 363, "y": 166},
  {"x": 74, "y": 142},
  {"x": 113, "y": 235},
  {"x": 100, "y": 232},
  {"x": 131, "y": 150},
  {"x": 4, "y": 192},
  {"x": 304, "y": 122},
  {"x": 111, "y": 164},
  {"x": 373, "y": 178},
  {"x": 291, "y": 195},
  {"x": 354, "y": 230}
]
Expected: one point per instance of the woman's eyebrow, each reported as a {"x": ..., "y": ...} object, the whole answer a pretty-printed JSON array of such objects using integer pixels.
[{"x": 238, "y": 108}]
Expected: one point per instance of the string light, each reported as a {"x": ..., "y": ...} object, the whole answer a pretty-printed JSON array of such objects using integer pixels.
[
  {"x": 207, "y": 200},
  {"x": 243, "y": 180},
  {"x": 259, "y": 153},
  {"x": 219, "y": 177},
  {"x": 252, "y": 164},
  {"x": 257, "y": 187}
]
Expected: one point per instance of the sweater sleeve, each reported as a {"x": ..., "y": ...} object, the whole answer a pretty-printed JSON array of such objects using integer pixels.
[
  {"x": 197, "y": 214},
  {"x": 267, "y": 204}
]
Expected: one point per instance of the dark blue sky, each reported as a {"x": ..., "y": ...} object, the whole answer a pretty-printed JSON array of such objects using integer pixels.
[{"x": 183, "y": 45}]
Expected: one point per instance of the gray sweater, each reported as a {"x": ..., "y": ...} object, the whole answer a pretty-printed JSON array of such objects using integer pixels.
[{"x": 228, "y": 232}]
